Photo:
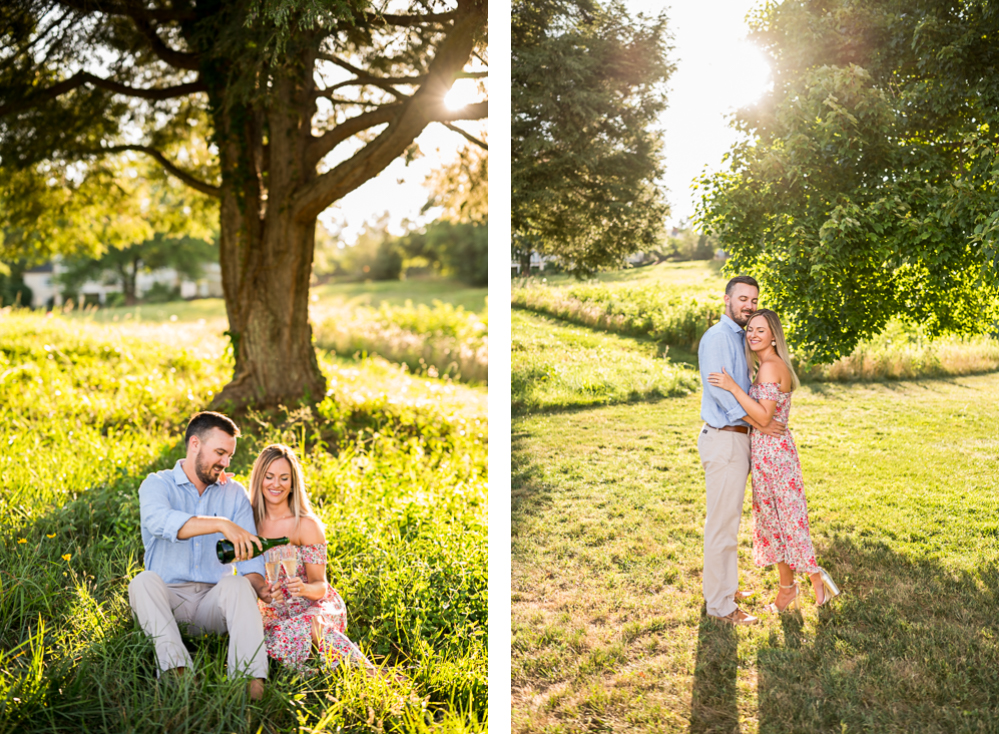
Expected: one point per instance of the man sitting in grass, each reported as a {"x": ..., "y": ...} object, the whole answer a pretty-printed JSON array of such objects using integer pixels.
[{"x": 184, "y": 510}]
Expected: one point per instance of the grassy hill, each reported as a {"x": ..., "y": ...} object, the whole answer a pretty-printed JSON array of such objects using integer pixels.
[{"x": 396, "y": 465}]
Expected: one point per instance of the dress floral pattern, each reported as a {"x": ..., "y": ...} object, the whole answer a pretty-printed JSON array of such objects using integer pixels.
[
  {"x": 780, "y": 517},
  {"x": 288, "y": 623}
]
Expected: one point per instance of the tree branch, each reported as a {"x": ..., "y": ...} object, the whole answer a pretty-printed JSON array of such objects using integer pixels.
[
  {"x": 424, "y": 107},
  {"x": 329, "y": 140},
  {"x": 179, "y": 59},
  {"x": 142, "y": 16},
  {"x": 81, "y": 78},
  {"x": 407, "y": 21},
  {"x": 132, "y": 10},
  {"x": 471, "y": 138},
  {"x": 180, "y": 174}
]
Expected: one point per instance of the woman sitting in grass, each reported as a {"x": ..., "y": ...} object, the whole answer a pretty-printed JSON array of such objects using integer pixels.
[
  {"x": 781, "y": 522},
  {"x": 311, "y": 612}
]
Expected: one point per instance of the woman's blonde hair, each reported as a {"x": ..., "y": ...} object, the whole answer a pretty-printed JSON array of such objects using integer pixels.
[
  {"x": 780, "y": 346},
  {"x": 298, "y": 500}
]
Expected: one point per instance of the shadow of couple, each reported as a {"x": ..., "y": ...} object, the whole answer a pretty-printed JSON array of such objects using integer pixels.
[{"x": 910, "y": 646}]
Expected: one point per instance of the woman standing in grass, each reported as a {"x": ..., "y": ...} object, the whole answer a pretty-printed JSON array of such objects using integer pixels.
[
  {"x": 312, "y": 614},
  {"x": 781, "y": 522}
]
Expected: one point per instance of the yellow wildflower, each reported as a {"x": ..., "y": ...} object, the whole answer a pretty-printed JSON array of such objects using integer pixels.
[
  {"x": 22, "y": 540},
  {"x": 51, "y": 536},
  {"x": 67, "y": 556}
]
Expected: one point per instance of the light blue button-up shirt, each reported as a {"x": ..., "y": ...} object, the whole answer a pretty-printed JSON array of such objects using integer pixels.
[
  {"x": 722, "y": 346},
  {"x": 167, "y": 500}
]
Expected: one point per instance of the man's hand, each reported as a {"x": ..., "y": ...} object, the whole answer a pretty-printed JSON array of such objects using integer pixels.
[
  {"x": 261, "y": 586},
  {"x": 775, "y": 428},
  {"x": 242, "y": 540}
]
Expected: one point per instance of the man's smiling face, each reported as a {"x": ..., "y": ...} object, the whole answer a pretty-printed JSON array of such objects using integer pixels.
[
  {"x": 741, "y": 303},
  {"x": 213, "y": 455}
]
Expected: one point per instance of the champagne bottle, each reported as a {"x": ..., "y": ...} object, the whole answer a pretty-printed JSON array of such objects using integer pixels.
[{"x": 226, "y": 552}]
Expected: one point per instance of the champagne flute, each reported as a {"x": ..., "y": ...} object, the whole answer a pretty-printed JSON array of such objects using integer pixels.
[
  {"x": 271, "y": 564},
  {"x": 290, "y": 562}
]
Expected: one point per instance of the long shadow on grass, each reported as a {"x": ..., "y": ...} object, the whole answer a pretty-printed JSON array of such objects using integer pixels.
[
  {"x": 713, "y": 698},
  {"x": 910, "y": 646}
]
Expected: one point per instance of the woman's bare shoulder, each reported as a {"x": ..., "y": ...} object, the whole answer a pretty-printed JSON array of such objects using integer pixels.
[
  {"x": 774, "y": 370},
  {"x": 311, "y": 531}
]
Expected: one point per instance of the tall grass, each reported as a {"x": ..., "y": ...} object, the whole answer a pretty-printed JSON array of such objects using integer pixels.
[
  {"x": 664, "y": 312},
  {"x": 556, "y": 366},
  {"x": 396, "y": 466},
  {"x": 637, "y": 310},
  {"x": 442, "y": 340},
  {"x": 902, "y": 352}
]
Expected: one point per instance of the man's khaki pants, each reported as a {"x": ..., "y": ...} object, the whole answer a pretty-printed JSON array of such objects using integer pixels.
[
  {"x": 228, "y": 606},
  {"x": 726, "y": 458}
]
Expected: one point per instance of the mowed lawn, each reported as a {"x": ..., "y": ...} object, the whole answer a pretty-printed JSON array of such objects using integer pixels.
[{"x": 608, "y": 632}]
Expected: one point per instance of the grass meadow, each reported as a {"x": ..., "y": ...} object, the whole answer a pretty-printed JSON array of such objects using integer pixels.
[
  {"x": 555, "y": 365},
  {"x": 674, "y": 303},
  {"x": 436, "y": 327},
  {"x": 608, "y": 632},
  {"x": 395, "y": 463},
  {"x": 608, "y": 627}
]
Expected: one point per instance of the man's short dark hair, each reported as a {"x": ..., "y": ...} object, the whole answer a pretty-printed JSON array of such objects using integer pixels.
[
  {"x": 201, "y": 423},
  {"x": 744, "y": 279}
]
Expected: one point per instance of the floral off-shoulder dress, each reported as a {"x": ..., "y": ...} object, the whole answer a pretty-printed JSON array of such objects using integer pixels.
[
  {"x": 780, "y": 516},
  {"x": 288, "y": 624}
]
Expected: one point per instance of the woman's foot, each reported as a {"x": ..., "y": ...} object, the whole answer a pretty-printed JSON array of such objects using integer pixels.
[
  {"x": 788, "y": 597},
  {"x": 824, "y": 587}
]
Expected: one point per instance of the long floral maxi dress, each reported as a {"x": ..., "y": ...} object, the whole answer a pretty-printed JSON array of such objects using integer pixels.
[
  {"x": 780, "y": 517},
  {"x": 288, "y": 623}
]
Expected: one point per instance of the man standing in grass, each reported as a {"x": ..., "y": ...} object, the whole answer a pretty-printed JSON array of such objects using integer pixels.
[
  {"x": 724, "y": 447},
  {"x": 183, "y": 511}
]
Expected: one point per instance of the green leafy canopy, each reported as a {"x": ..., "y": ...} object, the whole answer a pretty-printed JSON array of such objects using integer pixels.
[
  {"x": 866, "y": 184},
  {"x": 587, "y": 89}
]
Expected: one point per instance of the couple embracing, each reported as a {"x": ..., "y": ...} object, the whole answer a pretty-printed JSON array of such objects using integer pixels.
[{"x": 746, "y": 432}]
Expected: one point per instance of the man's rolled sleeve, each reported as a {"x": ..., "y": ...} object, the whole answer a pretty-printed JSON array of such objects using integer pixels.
[
  {"x": 155, "y": 512},
  {"x": 713, "y": 358}
]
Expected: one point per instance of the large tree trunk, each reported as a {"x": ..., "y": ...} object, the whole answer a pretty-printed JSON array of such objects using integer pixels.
[{"x": 266, "y": 255}]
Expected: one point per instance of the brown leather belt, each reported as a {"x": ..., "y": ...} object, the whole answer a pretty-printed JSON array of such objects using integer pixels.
[{"x": 737, "y": 429}]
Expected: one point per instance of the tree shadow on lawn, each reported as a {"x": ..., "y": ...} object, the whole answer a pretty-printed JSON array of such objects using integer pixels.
[
  {"x": 826, "y": 387},
  {"x": 909, "y": 646},
  {"x": 528, "y": 493}
]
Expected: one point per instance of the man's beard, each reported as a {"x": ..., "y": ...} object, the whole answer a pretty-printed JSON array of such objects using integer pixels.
[
  {"x": 739, "y": 318},
  {"x": 203, "y": 470}
]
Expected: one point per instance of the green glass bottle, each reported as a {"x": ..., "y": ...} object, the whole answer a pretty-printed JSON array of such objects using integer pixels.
[{"x": 226, "y": 552}]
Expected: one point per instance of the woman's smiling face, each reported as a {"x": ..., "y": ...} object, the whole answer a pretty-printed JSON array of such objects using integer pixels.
[
  {"x": 277, "y": 484},
  {"x": 758, "y": 334}
]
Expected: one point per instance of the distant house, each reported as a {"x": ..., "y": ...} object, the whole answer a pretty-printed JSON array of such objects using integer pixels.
[
  {"x": 46, "y": 290},
  {"x": 537, "y": 263}
]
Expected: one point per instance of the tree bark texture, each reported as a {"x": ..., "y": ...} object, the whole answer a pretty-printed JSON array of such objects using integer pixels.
[{"x": 265, "y": 253}]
